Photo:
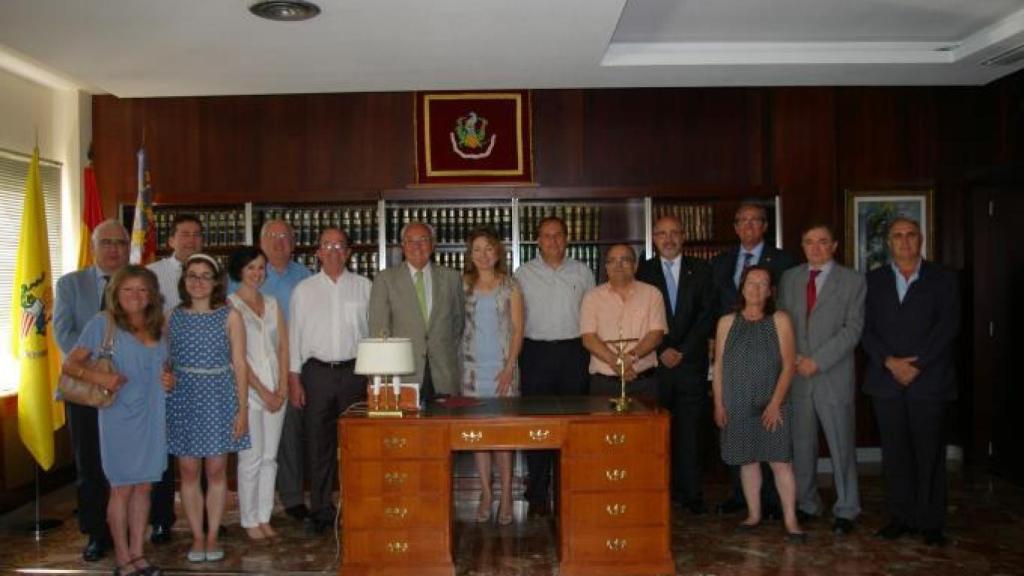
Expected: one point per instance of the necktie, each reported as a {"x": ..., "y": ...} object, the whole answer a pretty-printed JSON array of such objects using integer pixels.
[
  {"x": 103, "y": 294},
  {"x": 421, "y": 295},
  {"x": 812, "y": 291},
  {"x": 670, "y": 284},
  {"x": 747, "y": 260}
]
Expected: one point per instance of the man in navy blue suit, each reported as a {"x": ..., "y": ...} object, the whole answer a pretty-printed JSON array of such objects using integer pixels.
[
  {"x": 750, "y": 224},
  {"x": 688, "y": 293},
  {"x": 912, "y": 316}
]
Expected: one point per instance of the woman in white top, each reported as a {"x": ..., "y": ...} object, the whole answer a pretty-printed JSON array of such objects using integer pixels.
[{"x": 267, "y": 355}]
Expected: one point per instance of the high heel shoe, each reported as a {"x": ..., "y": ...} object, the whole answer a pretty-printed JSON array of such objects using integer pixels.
[
  {"x": 483, "y": 512},
  {"x": 504, "y": 515}
]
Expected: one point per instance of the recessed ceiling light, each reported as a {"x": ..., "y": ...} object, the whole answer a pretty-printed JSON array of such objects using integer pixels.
[{"x": 284, "y": 10}]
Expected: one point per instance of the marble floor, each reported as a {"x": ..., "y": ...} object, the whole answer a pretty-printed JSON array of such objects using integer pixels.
[{"x": 986, "y": 530}]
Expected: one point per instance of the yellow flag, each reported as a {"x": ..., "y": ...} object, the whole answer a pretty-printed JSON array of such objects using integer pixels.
[{"x": 32, "y": 328}]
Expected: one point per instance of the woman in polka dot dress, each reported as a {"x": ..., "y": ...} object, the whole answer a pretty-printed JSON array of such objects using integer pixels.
[{"x": 206, "y": 413}]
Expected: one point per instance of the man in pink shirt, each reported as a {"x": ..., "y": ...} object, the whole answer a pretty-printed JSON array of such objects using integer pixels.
[{"x": 623, "y": 308}]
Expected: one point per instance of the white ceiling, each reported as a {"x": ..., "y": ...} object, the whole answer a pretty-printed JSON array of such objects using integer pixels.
[{"x": 138, "y": 48}]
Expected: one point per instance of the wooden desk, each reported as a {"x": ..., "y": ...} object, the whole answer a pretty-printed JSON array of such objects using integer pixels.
[{"x": 396, "y": 478}]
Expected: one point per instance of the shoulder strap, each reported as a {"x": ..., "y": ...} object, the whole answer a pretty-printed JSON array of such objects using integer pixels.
[{"x": 108, "y": 334}]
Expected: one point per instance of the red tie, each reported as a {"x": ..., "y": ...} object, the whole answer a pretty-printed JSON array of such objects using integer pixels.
[{"x": 812, "y": 291}]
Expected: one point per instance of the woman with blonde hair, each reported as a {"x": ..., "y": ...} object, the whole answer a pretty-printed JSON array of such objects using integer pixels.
[
  {"x": 491, "y": 342},
  {"x": 133, "y": 443}
]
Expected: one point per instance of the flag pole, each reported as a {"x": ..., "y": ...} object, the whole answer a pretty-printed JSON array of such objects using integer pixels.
[{"x": 38, "y": 526}]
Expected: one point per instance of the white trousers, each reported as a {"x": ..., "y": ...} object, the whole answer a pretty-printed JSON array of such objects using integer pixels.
[{"x": 257, "y": 467}]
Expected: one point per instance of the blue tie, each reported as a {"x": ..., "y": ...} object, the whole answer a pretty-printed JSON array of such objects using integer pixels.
[{"x": 670, "y": 283}]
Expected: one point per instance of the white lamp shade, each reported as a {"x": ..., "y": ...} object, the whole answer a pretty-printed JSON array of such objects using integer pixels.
[{"x": 385, "y": 357}]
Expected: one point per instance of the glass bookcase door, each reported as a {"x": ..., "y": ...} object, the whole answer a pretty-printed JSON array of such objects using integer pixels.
[
  {"x": 708, "y": 223},
  {"x": 452, "y": 223},
  {"x": 359, "y": 220}
]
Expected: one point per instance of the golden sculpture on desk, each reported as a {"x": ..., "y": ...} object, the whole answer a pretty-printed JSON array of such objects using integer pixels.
[{"x": 622, "y": 403}]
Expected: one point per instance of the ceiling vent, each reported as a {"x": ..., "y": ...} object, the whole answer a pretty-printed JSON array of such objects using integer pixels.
[
  {"x": 284, "y": 10},
  {"x": 1007, "y": 58}
]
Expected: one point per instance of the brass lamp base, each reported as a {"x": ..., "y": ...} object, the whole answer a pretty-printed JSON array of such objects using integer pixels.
[
  {"x": 621, "y": 404},
  {"x": 385, "y": 413}
]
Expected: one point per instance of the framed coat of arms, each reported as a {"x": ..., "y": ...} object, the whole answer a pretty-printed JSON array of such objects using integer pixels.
[{"x": 478, "y": 137}]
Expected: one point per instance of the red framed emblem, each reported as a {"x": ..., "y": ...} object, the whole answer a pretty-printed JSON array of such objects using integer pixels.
[{"x": 479, "y": 137}]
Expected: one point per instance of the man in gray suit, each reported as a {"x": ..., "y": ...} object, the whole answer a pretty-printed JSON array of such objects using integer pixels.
[
  {"x": 826, "y": 303},
  {"x": 425, "y": 303},
  {"x": 79, "y": 298}
]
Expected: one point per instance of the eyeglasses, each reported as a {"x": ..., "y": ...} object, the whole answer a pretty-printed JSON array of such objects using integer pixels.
[
  {"x": 417, "y": 240},
  {"x": 199, "y": 278},
  {"x": 333, "y": 246},
  {"x": 278, "y": 235},
  {"x": 113, "y": 243}
]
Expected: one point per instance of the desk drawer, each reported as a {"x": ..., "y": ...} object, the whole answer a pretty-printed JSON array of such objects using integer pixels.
[
  {"x": 618, "y": 473},
  {"x": 615, "y": 436},
  {"x": 620, "y": 544},
  {"x": 425, "y": 511},
  {"x": 372, "y": 441},
  {"x": 536, "y": 433},
  {"x": 409, "y": 477},
  {"x": 387, "y": 546},
  {"x": 616, "y": 509}
]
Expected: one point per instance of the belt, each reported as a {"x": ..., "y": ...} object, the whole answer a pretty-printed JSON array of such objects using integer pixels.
[
  {"x": 204, "y": 371},
  {"x": 332, "y": 365},
  {"x": 566, "y": 341}
]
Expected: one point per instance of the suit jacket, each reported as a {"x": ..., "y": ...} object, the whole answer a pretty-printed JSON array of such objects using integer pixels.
[
  {"x": 723, "y": 267},
  {"x": 925, "y": 325},
  {"x": 395, "y": 309},
  {"x": 77, "y": 301},
  {"x": 694, "y": 319},
  {"x": 831, "y": 332}
]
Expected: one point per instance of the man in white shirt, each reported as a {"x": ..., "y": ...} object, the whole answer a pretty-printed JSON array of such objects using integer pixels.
[
  {"x": 185, "y": 240},
  {"x": 328, "y": 318},
  {"x": 553, "y": 361}
]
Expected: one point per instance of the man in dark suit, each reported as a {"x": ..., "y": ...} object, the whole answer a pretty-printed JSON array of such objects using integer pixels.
[
  {"x": 912, "y": 318},
  {"x": 750, "y": 224},
  {"x": 686, "y": 287},
  {"x": 79, "y": 298}
]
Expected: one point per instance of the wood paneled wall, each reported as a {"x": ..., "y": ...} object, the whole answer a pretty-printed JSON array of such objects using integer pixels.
[{"x": 809, "y": 144}]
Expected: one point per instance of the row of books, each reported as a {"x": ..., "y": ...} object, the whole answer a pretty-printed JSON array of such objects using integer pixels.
[
  {"x": 457, "y": 259},
  {"x": 698, "y": 219},
  {"x": 589, "y": 254},
  {"x": 359, "y": 223},
  {"x": 224, "y": 227},
  {"x": 583, "y": 223},
  {"x": 451, "y": 225},
  {"x": 362, "y": 263}
]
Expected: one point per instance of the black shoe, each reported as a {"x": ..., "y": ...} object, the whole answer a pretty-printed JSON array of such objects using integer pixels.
[
  {"x": 697, "y": 507},
  {"x": 803, "y": 517},
  {"x": 893, "y": 530},
  {"x": 538, "y": 509},
  {"x": 317, "y": 526},
  {"x": 934, "y": 538},
  {"x": 298, "y": 512},
  {"x": 842, "y": 526},
  {"x": 160, "y": 534},
  {"x": 95, "y": 550},
  {"x": 731, "y": 506}
]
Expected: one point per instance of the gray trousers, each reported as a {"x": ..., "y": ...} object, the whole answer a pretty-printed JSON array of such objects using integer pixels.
[{"x": 837, "y": 423}]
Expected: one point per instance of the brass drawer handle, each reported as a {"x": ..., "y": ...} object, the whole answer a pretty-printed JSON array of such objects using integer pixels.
[
  {"x": 393, "y": 442},
  {"x": 616, "y": 439},
  {"x": 394, "y": 478},
  {"x": 396, "y": 512},
  {"x": 398, "y": 547},
  {"x": 472, "y": 436},
  {"x": 615, "y": 509},
  {"x": 538, "y": 435},
  {"x": 615, "y": 475},
  {"x": 615, "y": 544}
]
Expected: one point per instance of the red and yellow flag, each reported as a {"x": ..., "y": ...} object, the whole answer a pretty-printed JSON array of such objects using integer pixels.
[
  {"x": 92, "y": 216},
  {"x": 32, "y": 331}
]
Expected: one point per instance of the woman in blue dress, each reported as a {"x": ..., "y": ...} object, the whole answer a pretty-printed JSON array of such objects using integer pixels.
[
  {"x": 491, "y": 342},
  {"x": 207, "y": 412},
  {"x": 133, "y": 443}
]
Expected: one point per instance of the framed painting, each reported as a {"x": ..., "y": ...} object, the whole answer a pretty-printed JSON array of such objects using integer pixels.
[
  {"x": 868, "y": 214},
  {"x": 478, "y": 137}
]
